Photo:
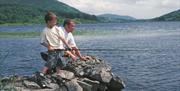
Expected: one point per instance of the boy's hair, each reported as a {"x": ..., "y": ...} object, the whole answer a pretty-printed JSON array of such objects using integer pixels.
[
  {"x": 49, "y": 15},
  {"x": 67, "y": 22}
]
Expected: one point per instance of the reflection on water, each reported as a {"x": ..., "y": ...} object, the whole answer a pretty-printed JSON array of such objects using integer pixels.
[{"x": 147, "y": 61}]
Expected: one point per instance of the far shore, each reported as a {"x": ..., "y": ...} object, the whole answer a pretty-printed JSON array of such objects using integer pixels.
[
  {"x": 18, "y": 34},
  {"x": 37, "y": 34}
]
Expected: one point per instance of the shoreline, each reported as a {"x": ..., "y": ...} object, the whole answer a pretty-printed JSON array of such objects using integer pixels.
[{"x": 19, "y": 34}]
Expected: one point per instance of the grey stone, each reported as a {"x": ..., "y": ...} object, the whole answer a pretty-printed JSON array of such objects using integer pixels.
[
  {"x": 73, "y": 85},
  {"x": 85, "y": 86},
  {"x": 103, "y": 87},
  {"x": 94, "y": 84},
  {"x": 105, "y": 76},
  {"x": 116, "y": 84},
  {"x": 68, "y": 75},
  {"x": 31, "y": 85},
  {"x": 65, "y": 74}
]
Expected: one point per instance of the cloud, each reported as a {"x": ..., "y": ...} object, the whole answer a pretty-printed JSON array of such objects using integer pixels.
[{"x": 136, "y": 8}]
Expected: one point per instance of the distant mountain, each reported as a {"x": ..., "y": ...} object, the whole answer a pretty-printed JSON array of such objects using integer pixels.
[
  {"x": 172, "y": 16},
  {"x": 33, "y": 11},
  {"x": 115, "y": 18}
]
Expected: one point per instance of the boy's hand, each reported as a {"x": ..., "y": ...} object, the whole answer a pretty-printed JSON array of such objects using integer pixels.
[
  {"x": 74, "y": 58},
  {"x": 50, "y": 48},
  {"x": 68, "y": 49}
]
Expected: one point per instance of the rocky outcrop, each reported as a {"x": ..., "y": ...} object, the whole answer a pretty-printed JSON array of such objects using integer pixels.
[{"x": 91, "y": 75}]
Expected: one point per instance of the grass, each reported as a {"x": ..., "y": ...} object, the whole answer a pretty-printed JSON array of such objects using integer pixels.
[
  {"x": 5, "y": 86},
  {"x": 18, "y": 34},
  {"x": 35, "y": 34}
]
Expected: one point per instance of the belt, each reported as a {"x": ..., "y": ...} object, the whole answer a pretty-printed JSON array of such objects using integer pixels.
[{"x": 56, "y": 50}]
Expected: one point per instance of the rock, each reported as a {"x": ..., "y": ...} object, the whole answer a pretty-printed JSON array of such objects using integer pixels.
[
  {"x": 52, "y": 87},
  {"x": 73, "y": 85},
  {"x": 91, "y": 75},
  {"x": 68, "y": 75},
  {"x": 94, "y": 69},
  {"x": 115, "y": 84},
  {"x": 94, "y": 83},
  {"x": 85, "y": 86},
  {"x": 105, "y": 76},
  {"x": 88, "y": 84},
  {"x": 30, "y": 84}
]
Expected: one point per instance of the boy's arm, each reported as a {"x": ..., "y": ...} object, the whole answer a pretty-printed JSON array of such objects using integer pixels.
[
  {"x": 63, "y": 40},
  {"x": 44, "y": 44},
  {"x": 49, "y": 47},
  {"x": 44, "y": 41}
]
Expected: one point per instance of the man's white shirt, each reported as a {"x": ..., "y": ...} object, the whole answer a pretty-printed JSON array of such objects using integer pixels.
[{"x": 69, "y": 37}]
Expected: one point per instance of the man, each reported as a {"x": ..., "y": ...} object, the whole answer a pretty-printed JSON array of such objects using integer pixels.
[{"x": 68, "y": 27}]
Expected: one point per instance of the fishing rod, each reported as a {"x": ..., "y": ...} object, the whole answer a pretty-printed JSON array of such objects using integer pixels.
[{"x": 112, "y": 49}]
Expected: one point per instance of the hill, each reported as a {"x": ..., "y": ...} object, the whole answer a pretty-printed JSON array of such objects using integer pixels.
[
  {"x": 115, "y": 18},
  {"x": 33, "y": 11},
  {"x": 172, "y": 16}
]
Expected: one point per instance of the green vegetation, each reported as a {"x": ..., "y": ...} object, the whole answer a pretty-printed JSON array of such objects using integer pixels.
[
  {"x": 173, "y": 16},
  {"x": 18, "y": 34},
  {"x": 7, "y": 86},
  {"x": 36, "y": 34},
  {"x": 33, "y": 11}
]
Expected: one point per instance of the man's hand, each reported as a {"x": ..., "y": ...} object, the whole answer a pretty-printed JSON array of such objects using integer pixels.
[{"x": 85, "y": 58}]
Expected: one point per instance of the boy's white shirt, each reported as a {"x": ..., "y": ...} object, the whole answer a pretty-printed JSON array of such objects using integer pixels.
[{"x": 50, "y": 36}]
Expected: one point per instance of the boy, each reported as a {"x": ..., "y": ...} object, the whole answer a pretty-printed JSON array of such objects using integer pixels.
[{"x": 52, "y": 39}]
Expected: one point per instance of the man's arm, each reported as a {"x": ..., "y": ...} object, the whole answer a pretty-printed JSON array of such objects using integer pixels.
[
  {"x": 78, "y": 53},
  {"x": 71, "y": 55}
]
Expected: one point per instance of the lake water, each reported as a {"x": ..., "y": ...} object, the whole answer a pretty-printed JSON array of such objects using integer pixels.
[{"x": 146, "y": 55}]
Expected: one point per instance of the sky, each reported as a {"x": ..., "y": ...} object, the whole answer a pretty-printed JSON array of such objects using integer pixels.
[{"x": 140, "y": 9}]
